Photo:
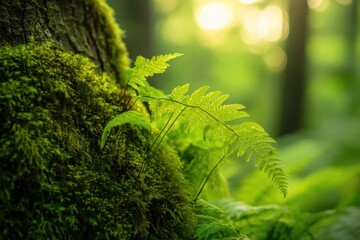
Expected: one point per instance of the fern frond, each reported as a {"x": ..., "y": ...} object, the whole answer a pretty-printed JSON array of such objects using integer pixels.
[
  {"x": 253, "y": 141},
  {"x": 132, "y": 117},
  {"x": 215, "y": 223},
  {"x": 148, "y": 67},
  {"x": 179, "y": 92},
  {"x": 230, "y": 219},
  {"x": 203, "y": 116},
  {"x": 203, "y": 113},
  {"x": 160, "y": 108}
]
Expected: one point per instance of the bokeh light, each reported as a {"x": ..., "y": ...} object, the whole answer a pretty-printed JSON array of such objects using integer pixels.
[
  {"x": 214, "y": 16},
  {"x": 181, "y": 35},
  {"x": 165, "y": 6},
  {"x": 262, "y": 24},
  {"x": 249, "y": 1},
  {"x": 344, "y": 2},
  {"x": 318, "y": 5},
  {"x": 275, "y": 58}
]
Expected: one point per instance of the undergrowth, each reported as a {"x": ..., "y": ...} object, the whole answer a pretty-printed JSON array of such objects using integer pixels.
[
  {"x": 60, "y": 181},
  {"x": 200, "y": 119},
  {"x": 206, "y": 132}
]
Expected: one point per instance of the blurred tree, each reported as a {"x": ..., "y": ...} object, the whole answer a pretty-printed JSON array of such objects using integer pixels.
[
  {"x": 351, "y": 63},
  {"x": 294, "y": 86},
  {"x": 352, "y": 34},
  {"x": 136, "y": 18}
]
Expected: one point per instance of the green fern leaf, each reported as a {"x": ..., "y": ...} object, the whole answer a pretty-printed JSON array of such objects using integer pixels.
[
  {"x": 148, "y": 67},
  {"x": 132, "y": 117},
  {"x": 253, "y": 141},
  {"x": 203, "y": 113},
  {"x": 179, "y": 92},
  {"x": 227, "y": 219},
  {"x": 203, "y": 117}
]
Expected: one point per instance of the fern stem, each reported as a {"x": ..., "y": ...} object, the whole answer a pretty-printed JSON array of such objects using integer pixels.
[
  {"x": 168, "y": 129},
  {"x": 162, "y": 130},
  {"x": 195, "y": 107},
  {"x": 143, "y": 169},
  {"x": 279, "y": 182},
  {"x": 137, "y": 98},
  {"x": 208, "y": 177},
  {"x": 162, "y": 138}
]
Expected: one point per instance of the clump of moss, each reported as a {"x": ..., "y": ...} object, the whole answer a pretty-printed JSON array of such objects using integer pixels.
[
  {"x": 55, "y": 182},
  {"x": 115, "y": 58},
  {"x": 87, "y": 27}
]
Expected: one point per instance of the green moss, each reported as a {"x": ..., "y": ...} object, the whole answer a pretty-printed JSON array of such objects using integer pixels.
[
  {"x": 111, "y": 37},
  {"x": 55, "y": 181},
  {"x": 86, "y": 27}
]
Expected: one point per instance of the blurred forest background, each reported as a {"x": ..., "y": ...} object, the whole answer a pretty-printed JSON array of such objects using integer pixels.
[{"x": 294, "y": 64}]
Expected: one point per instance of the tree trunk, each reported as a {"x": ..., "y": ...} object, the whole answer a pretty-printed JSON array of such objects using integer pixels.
[
  {"x": 351, "y": 63},
  {"x": 82, "y": 27},
  {"x": 55, "y": 180},
  {"x": 294, "y": 86},
  {"x": 135, "y": 16}
]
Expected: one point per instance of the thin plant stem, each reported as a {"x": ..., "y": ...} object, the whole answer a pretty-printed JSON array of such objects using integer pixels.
[
  {"x": 162, "y": 130},
  {"x": 172, "y": 124},
  {"x": 162, "y": 138},
  {"x": 208, "y": 177}
]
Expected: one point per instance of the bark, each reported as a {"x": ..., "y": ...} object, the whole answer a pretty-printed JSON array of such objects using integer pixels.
[
  {"x": 135, "y": 16},
  {"x": 55, "y": 180},
  {"x": 82, "y": 27},
  {"x": 295, "y": 80}
]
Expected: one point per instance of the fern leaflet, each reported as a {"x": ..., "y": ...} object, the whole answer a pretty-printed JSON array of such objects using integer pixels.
[
  {"x": 200, "y": 119},
  {"x": 203, "y": 114},
  {"x": 146, "y": 68},
  {"x": 130, "y": 116},
  {"x": 227, "y": 219}
]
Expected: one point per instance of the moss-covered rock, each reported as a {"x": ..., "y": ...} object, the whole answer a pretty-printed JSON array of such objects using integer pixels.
[{"x": 55, "y": 182}]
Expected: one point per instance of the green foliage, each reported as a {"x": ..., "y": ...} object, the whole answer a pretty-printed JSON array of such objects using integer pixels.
[
  {"x": 201, "y": 119},
  {"x": 199, "y": 162},
  {"x": 206, "y": 132},
  {"x": 55, "y": 181},
  {"x": 227, "y": 219},
  {"x": 146, "y": 68},
  {"x": 343, "y": 225},
  {"x": 125, "y": 117},
  {"x": 317, "y": 184}
]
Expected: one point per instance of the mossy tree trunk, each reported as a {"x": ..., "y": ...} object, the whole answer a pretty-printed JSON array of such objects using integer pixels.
[
  {"x": 137, "y": 18},
  {"x": 62, "y": 64},
  {"x": 79, "y": 26}
]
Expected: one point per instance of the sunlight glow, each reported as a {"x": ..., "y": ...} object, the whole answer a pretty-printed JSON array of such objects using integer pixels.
[
  {"x": 248, "y": 1},
  {"x": 344, "y": 2},
  {"x": 275, "y": 58},
  {"x": 165, "y": 6},
  {"x": 318, "y": 5},
  {"x": 214, "y": 16},
  {"x": 263, "y": 24},
  {"x": 181, "y": 35}
]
